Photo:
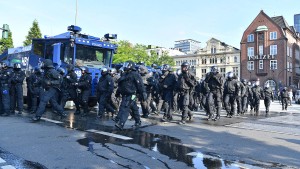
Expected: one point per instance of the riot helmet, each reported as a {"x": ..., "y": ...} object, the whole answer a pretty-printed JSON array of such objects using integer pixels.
[
  {"x": 113, "y": 71},
  {"x": 153, "y": 65},
  {"x": 17, "y": 66},
  {"x": 104, "y": 71},
  {"x": 70, "y": 67},
  {"x": 214, "y": 69},
  {"x": 141, "y": 63},
  {"x": 165, "y": 68},
  {"x": 185, "y": 66},
  {"x": 267, "y": 85},
  {"x": 84, "y": 70},
  {"x": 143, "y": 70},
  {"x": 61, "y": 71},
  {"x": 47, "y": 64},
  {"x": 5, "y": 64},
  {"x": 249, "y": 83},
  {"x": 129, "y": 65},
  {"x": 230, "y": 75},
  {"x": 244, "y": 81}
]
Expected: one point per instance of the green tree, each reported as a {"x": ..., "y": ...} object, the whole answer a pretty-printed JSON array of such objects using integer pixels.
[
  {"x": 34, "y": 32},
  {"x": 138, "y": 53},
  {"x": 6, "y": 43}
]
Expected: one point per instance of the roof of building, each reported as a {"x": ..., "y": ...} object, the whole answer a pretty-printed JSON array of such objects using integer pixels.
[
  {"x": 187, "y": 40},
  {"x": 279, "y": 20}
]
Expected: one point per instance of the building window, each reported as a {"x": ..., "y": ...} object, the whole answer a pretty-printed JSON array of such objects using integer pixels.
[
  {"x": 203, "y": 71},
  {"x": 223, "y": 70},
  {"x": 291, "y": 52},
  {"x": 250, "y": 65},
  {"x": 223, "y": 60},
  {"x": 288, "y": 66},
  {"x": 235, "y": 59},
  {"x": 291, "y": 67},
  {"x": 250, "y": 38},
  {"x": 273, "y": 35},
  {"x": 250, "y": 51},
  {"x": 235, "y": 71},
  {"x": 203, "y": 61},
  {"x": 273, "y": 50},
  {"x": 273, "y": 64},
  {"x": 288, "y": 51},
  {"x": 261, "y": 50},
  {"x": 261, "y": 64},
  {"x": 213, "y": 50}
]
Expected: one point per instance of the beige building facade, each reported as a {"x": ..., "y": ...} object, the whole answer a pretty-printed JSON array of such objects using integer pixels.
[{"x": 215, "y": 53}]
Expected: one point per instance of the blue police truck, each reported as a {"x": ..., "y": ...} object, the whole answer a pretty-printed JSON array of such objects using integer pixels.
[{"x": 71, "y": 47}]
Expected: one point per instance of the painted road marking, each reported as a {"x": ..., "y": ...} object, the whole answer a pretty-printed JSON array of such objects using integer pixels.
[
  {"x": 110, "y": 134},
  {"x": 8, "y": 167},
  {"x": 263, "y": 130},
  {"x": 52, "y": 121},
  {"x": 2, "y": 161}
]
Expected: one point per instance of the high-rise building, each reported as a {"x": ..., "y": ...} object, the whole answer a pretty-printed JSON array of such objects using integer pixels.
[
  {"x": 187, "y": 45},
  {"x": 297, "y": 22}
]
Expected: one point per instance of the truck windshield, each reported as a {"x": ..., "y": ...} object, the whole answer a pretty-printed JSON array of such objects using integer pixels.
[{"x": 92, "y": 56}]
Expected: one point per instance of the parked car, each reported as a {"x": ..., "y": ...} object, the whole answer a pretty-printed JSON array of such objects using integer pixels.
[{"x": 297, "y": 97}]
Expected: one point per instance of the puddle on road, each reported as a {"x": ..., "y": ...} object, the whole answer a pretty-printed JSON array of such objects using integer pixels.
[
  {"x": 162, "y": 144},
  {"x": 165, "y": 145},
  {"x": 18, "y": 162}
]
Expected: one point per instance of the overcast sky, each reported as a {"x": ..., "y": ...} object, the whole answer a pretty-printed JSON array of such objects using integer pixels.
[{"x": 155, "y": 22}]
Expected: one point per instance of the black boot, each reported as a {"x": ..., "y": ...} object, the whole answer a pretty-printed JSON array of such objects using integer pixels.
[
  {"x": 119, "y": 125},
  {"x": 137, "y": 124},
  {"x": 36, "y": 118}
]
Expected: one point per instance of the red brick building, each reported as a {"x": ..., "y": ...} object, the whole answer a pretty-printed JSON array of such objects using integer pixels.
[{"x": 270, "y": 52}]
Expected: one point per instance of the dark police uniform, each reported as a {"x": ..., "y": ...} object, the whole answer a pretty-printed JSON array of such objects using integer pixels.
[
  {"x": 129, "y": 84},
  {"x": 269, "y": 96},
  {"x": 84, "y": 90},
  {"x": 185, "y": 84},
  {"x": 70, "y": 89},
  {"x": 214, "y": 82},
  {"x": 231, "y": 90},
  {"x": 258, "y": 94},
  {"x": 17, "y": 79},
  {"x": 105, "y": 89},
  {"x": 35, "y": 88},
  {"x": 51, "y": 84},
  {"x": 5, "y": 82},
  {"x": 284, "y": 98}
]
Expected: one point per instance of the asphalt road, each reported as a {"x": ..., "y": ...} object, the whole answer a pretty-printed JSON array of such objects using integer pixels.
[{"x": 249, "y": 141}]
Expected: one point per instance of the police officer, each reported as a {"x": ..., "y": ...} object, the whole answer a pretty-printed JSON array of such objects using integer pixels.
[
  {"x": 166, "y": 83},
  {"x": 176, "y": 92},
  {"x": 258, "y": 94},
  {"x": 143, "y": 70},
  {"x": 239, "y": 94},
  {"x": 5, "y": 82},
  {"x": 84, "y": 89},
  {"x": 70, "y": 89},
  {"x": 35, "y": 88},
  {"x": 51, "y": 83},
  {"x": 114, "y": 101},
  {"x": 231, "y": 90},
  {"x": 284, "y": 94},
  {"x": 185, "y": 84},
  {"x": 104, "y": 90},
  {"x": 214, "y": 82},
  {"x": 245, "y": 95},
  {"x": 129, "y": 84},
  {"x": 269, "y": 96},
  {"x": 17, "y": 79}
]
